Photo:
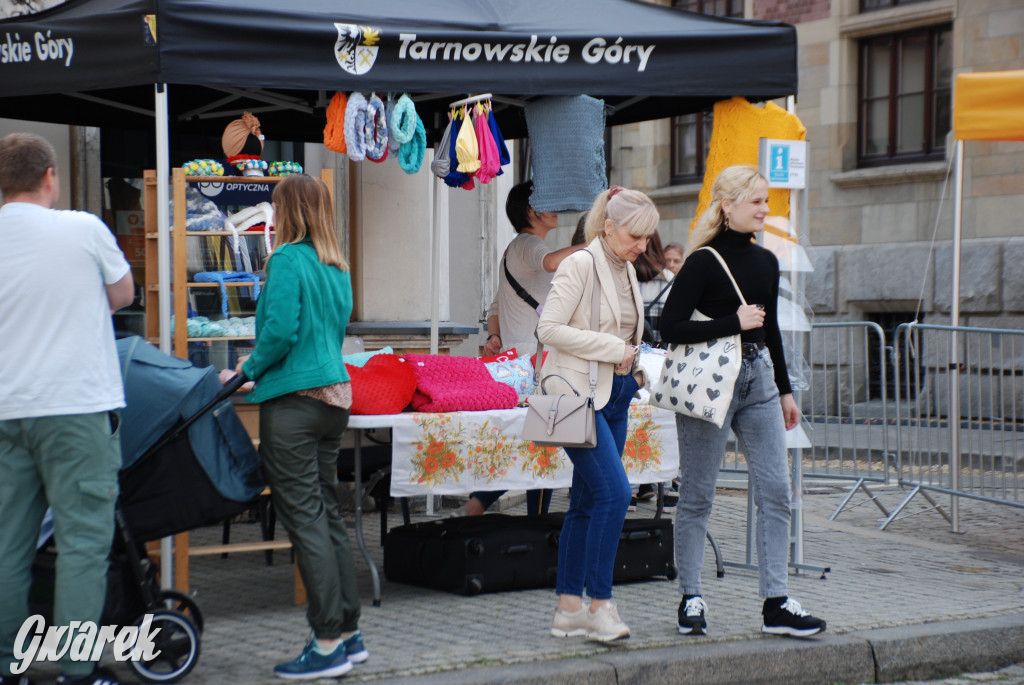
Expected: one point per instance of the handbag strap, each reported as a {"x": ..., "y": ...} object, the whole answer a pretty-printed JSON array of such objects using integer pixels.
[
  {"x": 647, "y": 309},
  {"x": 595, "y": 317},
  {"x": 727, "y": 272},
  {"x": 520, "y": 290}
]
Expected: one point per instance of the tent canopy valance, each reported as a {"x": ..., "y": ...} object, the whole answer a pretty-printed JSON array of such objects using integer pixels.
[{"x": 94, "y": 62}]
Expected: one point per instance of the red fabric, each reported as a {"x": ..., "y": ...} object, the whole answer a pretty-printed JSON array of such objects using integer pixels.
[
  {"x": 533, "y": 359},
  {"x": 445, "y": 383},
  {"x": 501, "y": 356},
  {"x": 384, "y": 385}
]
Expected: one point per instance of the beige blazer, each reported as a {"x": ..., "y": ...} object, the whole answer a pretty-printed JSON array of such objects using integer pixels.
[{"x": 565, "y": 327}]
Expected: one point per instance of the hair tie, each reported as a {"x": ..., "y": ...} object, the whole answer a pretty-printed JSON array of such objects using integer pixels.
[
  {"x": 411, "y": 154},
  {"x": 403, "y": 120},
  {"x": 375, "y": 128},
  {"x": 355, "y": 126},
  {"x": 613, "y": 191},
  {"x": 334, "y": 132}
]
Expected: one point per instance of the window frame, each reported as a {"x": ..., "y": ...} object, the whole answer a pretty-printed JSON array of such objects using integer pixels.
[
  {"x": 891, "y": 4},
  {"x": 701, "y": 120},
  {"x": 932, "y": 148}
]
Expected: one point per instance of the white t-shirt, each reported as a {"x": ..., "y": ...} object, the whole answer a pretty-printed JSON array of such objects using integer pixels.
[
  {"x": 516, "y": 319},
  {"x": 57, "y": 349}
]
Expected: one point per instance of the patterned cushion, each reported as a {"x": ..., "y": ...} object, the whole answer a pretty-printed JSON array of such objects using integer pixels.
[{"x": 517, "y": 373}]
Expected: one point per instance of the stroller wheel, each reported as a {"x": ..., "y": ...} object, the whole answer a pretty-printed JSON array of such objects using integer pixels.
[
  {"x": 176, "y": 648},
  {"x": 183, "y": 603}
]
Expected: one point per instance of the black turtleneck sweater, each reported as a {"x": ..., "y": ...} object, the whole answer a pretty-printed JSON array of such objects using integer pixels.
[{"x": 703, "y": 285}]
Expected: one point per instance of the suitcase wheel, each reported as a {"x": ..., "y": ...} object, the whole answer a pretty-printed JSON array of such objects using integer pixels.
[
  {"x": 474, "y": 585},
  {"x": 671, "y": 572}
]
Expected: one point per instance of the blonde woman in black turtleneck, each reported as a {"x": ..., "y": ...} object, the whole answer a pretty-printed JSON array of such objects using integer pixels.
[{"x": 762, "y": 408}]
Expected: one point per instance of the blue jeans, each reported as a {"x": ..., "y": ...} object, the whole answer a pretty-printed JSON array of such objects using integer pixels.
[
  {"x": 755, "y": 415},
  {"x": 599, "y": 501},
  {"x": 537, "y": 501}
]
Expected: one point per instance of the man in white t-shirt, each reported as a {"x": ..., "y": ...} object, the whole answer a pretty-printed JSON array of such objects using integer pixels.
[
  {"x": 512, "y": 319},
  {"x": 60, "y": 389}
]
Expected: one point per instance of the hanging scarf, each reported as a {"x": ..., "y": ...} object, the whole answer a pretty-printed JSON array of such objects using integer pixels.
[
  {"x": 466, "y": 148},
  {"x": 334, "y": 132},
  {"x": 499, "y": 140},
  {"x": 410, "y": 155},
  {"x": 355, "y": 127},
  {"x": 375, "y": 130},
  {"x": 490, "y": 163},
  {"x": 442, "y": 160},
  {"x": 456, "y": 178},
  {"x": 402, "y": 122}
]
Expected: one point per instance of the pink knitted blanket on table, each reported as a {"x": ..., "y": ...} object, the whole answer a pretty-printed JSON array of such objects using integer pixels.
[{"x": 445, "y": 383}]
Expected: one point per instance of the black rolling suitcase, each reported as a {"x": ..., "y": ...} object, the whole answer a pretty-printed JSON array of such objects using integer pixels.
[
  {"x": 646, "y": 548},
  {"x": 474, "y": 554}
]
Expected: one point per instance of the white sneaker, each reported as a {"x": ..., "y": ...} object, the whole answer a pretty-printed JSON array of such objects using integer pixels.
[
  {"x": 604, "y": 625},
  {"x": 570, "y": 623}
]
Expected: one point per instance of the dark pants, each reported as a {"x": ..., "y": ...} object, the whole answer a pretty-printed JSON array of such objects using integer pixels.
[{"x": 299, "y": 441}]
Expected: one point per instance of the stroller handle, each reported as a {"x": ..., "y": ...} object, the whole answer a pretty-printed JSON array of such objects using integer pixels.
[{"x": 232, "y": 386}]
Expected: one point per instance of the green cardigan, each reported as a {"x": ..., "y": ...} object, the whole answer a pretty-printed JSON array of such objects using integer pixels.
[{"x": 300, "y": 324}]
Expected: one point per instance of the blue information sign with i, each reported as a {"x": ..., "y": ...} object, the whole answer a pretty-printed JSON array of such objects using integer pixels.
[{"x": 779, "y": 169}]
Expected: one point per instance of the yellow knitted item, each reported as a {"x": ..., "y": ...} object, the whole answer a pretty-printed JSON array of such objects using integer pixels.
[{"x": 738, "y": 127}]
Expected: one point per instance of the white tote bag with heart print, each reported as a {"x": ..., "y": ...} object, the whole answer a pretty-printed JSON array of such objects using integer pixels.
[{"x": 697, "y": 379}]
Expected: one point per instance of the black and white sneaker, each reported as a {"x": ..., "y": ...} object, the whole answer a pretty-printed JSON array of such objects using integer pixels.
[
  {"x": 669, "y": 503},
  {"x": 790, "y": 619},
  {"x": 691, "y": 616}
]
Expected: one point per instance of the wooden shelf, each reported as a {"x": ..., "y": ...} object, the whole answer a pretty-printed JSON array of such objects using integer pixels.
[
  {"x": 257, "y": 231},
  {"x": 215, "y": 338},
  {"x": 230, "y": 284}
]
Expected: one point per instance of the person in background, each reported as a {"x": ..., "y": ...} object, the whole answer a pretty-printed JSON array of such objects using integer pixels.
[
  {"x": 762, "y": 407},
  {"x": 673, "y": 257},
  {"x": 618, "y": 227},
  {"x": 512, "y": 319},
  {"x": 60, "y": 389},
  {"x": 654, "y": 279},
  {"x": 304, "y": 393}
]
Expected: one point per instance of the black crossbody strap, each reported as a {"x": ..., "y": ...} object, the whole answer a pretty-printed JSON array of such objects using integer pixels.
[
  {"x": 520, "y": 290},
  {"x": 647, "y": 309}
]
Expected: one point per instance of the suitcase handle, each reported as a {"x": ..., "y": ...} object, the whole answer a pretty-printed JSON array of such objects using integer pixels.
[
  {"x": 517, "y": 549},
  {"x": 642, "y": 534}
]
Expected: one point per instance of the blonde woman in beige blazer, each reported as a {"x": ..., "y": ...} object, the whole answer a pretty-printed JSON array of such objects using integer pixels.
[{"x": 617, "y": 229}]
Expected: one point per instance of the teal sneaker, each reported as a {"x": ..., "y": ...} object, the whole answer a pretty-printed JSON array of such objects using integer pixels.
[
  {"x": 312, "y": 664},
  {"x": 355, "y": 649}
]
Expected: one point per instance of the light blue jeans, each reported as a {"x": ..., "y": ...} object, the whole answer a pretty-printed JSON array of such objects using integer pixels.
[
  {"x": 755, "y": 415},
  {"x": 599, "y": 501}
]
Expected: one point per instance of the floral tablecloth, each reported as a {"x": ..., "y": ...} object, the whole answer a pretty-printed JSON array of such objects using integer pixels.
[{"x": 460, "y": 452}]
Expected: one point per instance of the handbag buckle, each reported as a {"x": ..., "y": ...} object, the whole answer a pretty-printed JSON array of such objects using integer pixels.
[{"x": 552, "y": 416}]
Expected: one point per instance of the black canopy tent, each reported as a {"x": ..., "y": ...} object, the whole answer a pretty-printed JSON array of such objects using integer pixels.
[
  {"x": 190, "y": 66},
  {"x": 94, "y": 62}
]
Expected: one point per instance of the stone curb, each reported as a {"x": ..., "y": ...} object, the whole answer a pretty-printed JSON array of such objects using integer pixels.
[{"x": 926, "y": 651}]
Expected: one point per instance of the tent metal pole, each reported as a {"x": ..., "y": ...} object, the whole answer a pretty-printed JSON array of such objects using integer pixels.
[
  {"x": 163, "y": 261},
  {"x": 470, "y": 100},
  {"x": 954, "y": 345}
]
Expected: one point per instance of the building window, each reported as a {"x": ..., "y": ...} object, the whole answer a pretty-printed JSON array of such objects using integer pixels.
[
  {"x": 691, "y": 133},
  {"x": 872, "y": 5},
  {"x": 904, "y": 96},
  {"x": 719, "y": 8},
  {"x": 691, "y": 137}
]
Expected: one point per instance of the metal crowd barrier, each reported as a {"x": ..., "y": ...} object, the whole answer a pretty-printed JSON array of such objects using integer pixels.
[
  {"x": 959, "y": 417},
  {"x": 850, "y": 430}
]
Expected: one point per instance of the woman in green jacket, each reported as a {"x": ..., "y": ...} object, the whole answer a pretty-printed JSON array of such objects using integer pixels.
[{"x": 305, "y": 397}]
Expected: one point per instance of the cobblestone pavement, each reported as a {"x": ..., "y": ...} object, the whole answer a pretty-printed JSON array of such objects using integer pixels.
[{"x": 916, "y": 573}]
